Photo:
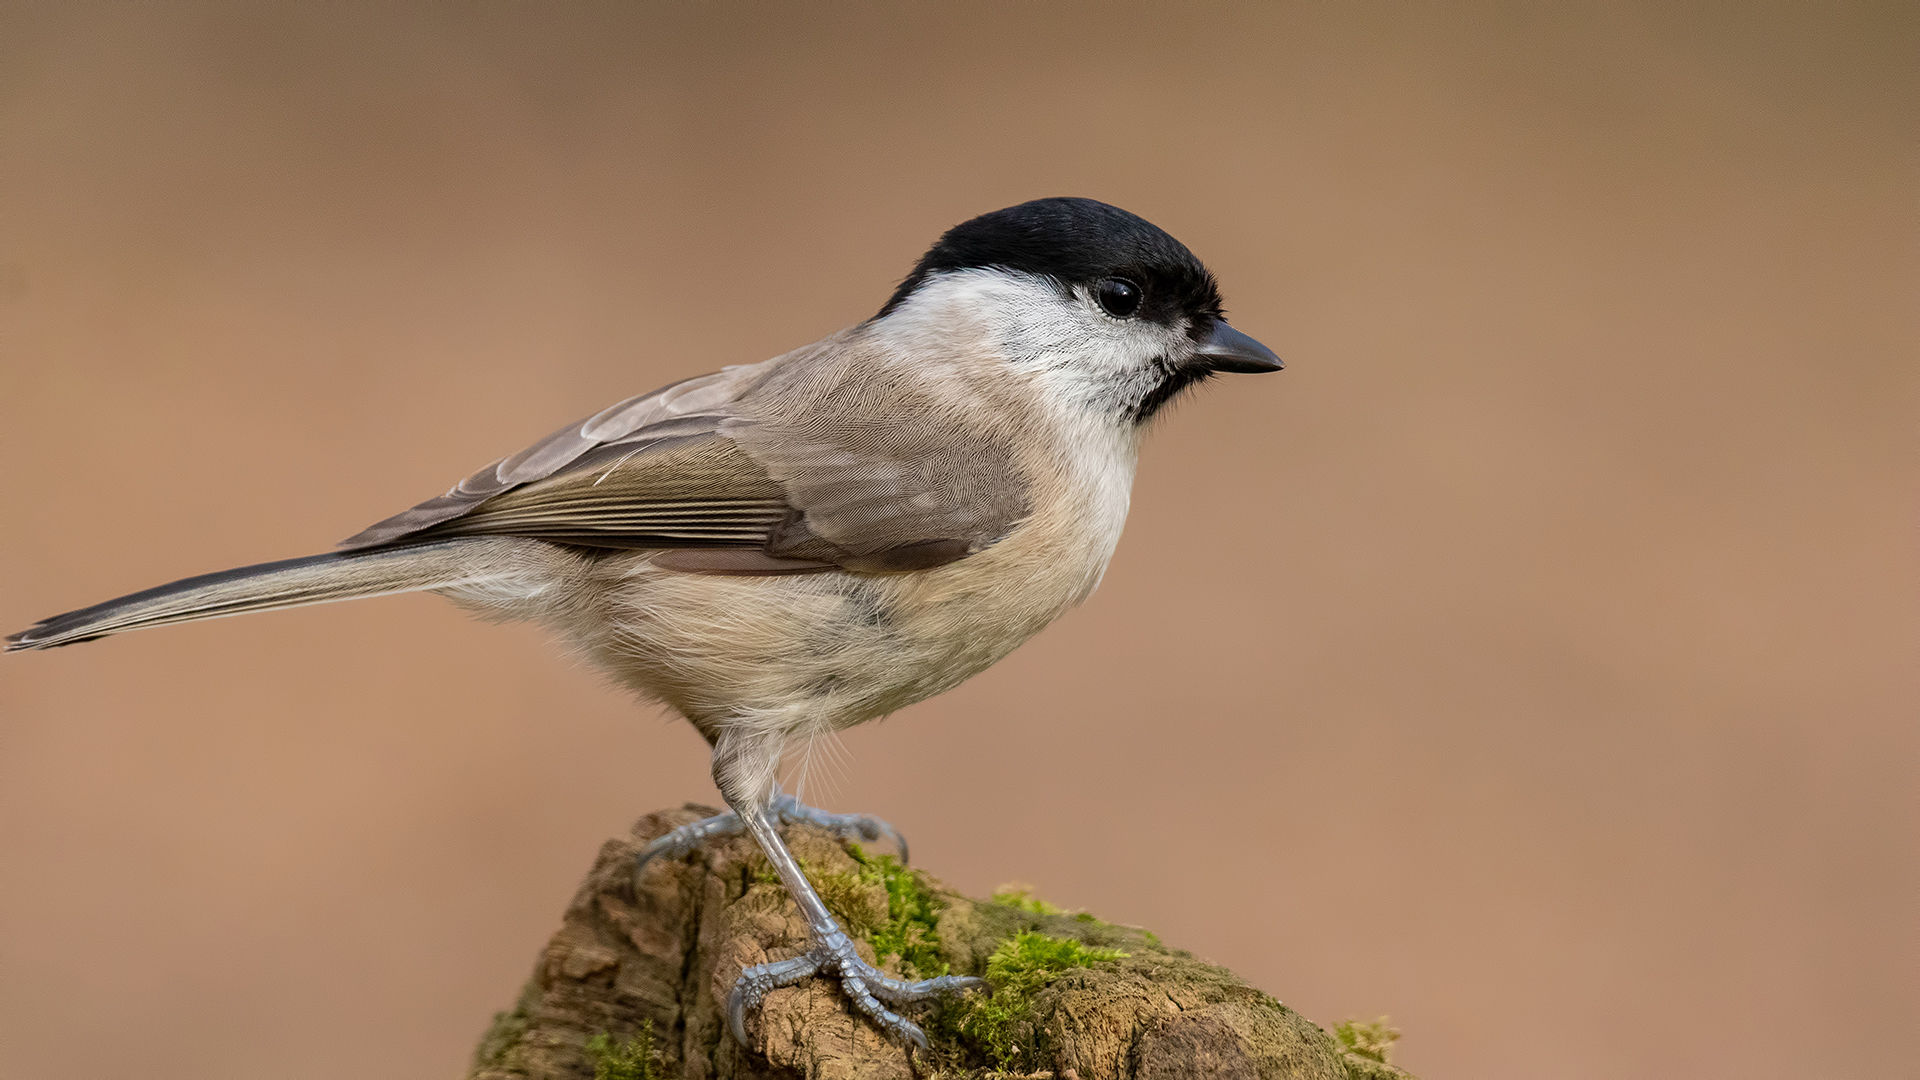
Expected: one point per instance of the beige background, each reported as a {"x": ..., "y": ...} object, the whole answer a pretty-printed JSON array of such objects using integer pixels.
[{"x": 1533, "y": 661}]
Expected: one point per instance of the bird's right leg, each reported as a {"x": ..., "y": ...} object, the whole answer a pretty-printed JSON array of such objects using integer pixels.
[
  {"x": 785, "y": 809},
  {"x": 744, "y": 768}
]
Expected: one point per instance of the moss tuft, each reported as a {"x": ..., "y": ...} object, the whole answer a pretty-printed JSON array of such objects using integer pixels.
[
  {"x": 1002, "y": 1024},
  {"x": 631, "y": 1060},
  {"x": 501, "y": 1046},
  {"x": 906, "y": 926},
  {"x": 913, "y": 913},
  {"x": 1371, "y": 1041},
  {"x": 1019, "y": 896},
  {"x": 851, "y": 898}
]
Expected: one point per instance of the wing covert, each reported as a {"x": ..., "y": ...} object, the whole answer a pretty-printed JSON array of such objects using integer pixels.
[
  {"x": 689, "y": 407},
  {"x": 896, "y": 463},
  {"x": 840, "y": 454},
  {"x": 692, "y": 490}
]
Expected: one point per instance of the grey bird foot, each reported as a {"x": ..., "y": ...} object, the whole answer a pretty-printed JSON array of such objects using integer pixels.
[
  {"x": 788, "y": 811},
  {"x": 792, "y": 811},
  {"x": 865, "y": 985}
]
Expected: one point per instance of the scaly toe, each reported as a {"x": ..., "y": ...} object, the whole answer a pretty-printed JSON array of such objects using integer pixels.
[
  {"x": 845, "y": 826},
  {"x": 865, "y": 986},
  {"x": 790, "y": 811},
  {"x": 688, "y": 837},
  {"x": 756, "y": 981},
  {"x": 899, "y": 992}
]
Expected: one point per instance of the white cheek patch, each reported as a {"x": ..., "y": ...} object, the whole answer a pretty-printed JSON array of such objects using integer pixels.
[{"x": 1089, "y": 358}]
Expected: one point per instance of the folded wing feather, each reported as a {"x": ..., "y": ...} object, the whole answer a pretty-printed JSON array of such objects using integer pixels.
[{"x": 817, "y": 459}]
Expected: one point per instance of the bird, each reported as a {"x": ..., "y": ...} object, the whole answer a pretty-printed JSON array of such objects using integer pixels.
[{"x": 782, "y": 550}]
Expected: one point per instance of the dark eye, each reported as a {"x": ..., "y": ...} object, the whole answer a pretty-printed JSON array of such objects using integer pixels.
[{"x": 1119, "y": 296}]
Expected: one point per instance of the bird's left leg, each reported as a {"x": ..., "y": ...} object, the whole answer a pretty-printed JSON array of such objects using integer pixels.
[
  {"x": 787, "y": 810},
  {"x": 744, "y": 772}
]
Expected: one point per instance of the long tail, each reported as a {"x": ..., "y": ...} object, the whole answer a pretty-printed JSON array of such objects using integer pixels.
[{"x": 316, "y": 579}]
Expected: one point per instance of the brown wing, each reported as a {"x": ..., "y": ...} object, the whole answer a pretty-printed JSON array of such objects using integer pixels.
[
  {"x": 689, "y": 490},
  {"x": 825, "y": 457},
  {"x": 639, "y": 427},
  {"x": 898, "y": 463}
]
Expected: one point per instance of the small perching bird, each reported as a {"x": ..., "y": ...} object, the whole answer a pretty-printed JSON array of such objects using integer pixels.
[{"x": 786, "y": 549}]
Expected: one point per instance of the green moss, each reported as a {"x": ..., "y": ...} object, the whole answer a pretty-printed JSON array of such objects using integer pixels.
[
  {"x": 1034, "y": 944},
  {"x": 913, "y": 913},
  {"x": 1019, "y": 896},
  {"x": 631, "y": 1060},
  {"x": 1002, "y": 1024},
  {"x": 905, "y": 929},
  {"x": 851, "y": 898},
  {"x": 500, "y": 1047},
  {"x": 1371, "y": 1041}
]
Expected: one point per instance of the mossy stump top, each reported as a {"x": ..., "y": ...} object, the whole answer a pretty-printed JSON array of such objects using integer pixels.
[{"x": 634, "y": 984}]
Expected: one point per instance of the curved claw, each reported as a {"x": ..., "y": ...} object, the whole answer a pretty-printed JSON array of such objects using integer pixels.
[
  {"x": 756, "y": 981},
  {"x": 866, "y": 987},
  {"x": 791, "y": 811},
  {"x": 846, "y": 826},
  {"x": 889, "y": 1021},
  {"x": 687, "y": 837},
  {"x": 897, "y": 992}
]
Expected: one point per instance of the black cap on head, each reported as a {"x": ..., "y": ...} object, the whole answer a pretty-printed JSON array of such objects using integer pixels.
[{"x": 1078, "y": 242}]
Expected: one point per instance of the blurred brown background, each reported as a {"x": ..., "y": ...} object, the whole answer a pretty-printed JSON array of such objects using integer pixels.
[{"x": 1533, "y": 661}]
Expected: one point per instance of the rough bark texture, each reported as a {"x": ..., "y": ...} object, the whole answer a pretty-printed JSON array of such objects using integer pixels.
[{"x": 665, "y": 950}]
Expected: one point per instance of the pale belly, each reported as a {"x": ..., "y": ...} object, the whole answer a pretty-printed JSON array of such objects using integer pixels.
[
  {"x": 807, "y": 654},
  {"x": 794, "y": 656}
]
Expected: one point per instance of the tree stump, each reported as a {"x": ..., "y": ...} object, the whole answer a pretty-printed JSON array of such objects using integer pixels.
[{"x": 634, "y": 984}]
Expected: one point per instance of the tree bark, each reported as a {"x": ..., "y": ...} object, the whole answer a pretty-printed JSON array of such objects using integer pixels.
[{"x": 660, "y": 955}]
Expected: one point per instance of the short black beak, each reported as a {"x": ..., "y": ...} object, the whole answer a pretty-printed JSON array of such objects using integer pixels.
[{"x": 1227, "y": 349}]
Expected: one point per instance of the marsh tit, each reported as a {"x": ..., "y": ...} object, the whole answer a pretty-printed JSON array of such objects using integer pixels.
[{"x": 786, "y": 549}]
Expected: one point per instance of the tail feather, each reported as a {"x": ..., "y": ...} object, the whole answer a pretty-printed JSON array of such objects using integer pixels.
[{"x": 316, "y": 579}]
